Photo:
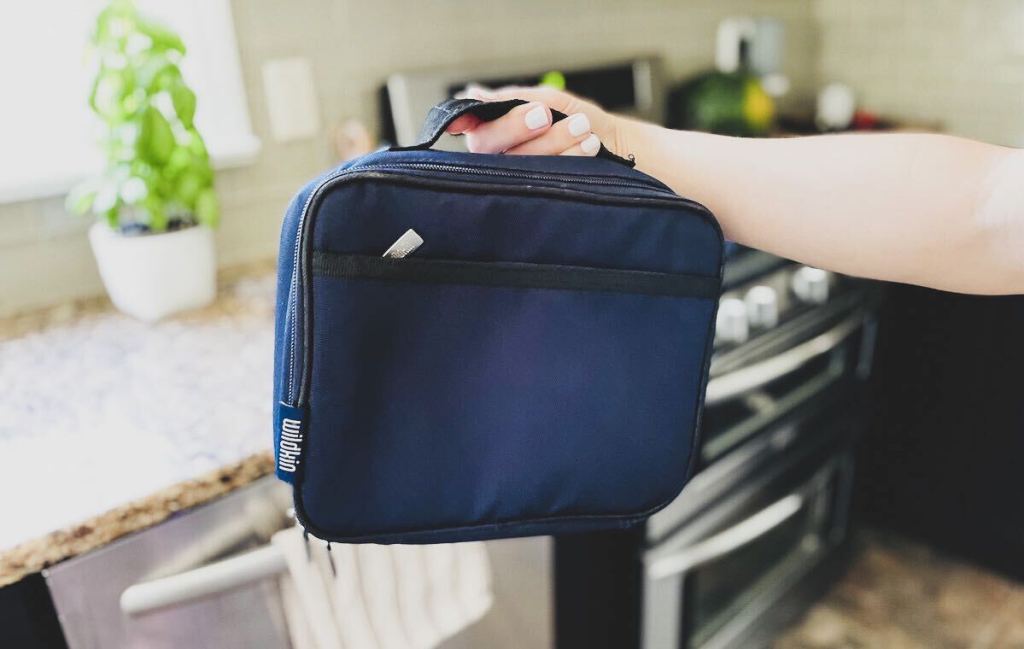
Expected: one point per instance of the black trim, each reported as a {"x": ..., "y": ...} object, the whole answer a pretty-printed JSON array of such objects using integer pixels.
[
  {"x": 638, "y": 181},
  {"x": 634, "y": 177},
  {"x": 646, "y": 194},
  {"x": 514, "y": 275}
]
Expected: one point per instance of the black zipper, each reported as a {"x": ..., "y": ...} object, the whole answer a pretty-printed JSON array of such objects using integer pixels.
[
  {"x": 514, "y": 275},
  {"x": 518, "y": 174},
  {"x": 666, "y": 198}
]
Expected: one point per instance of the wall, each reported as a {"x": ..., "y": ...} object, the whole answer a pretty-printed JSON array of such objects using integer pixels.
[
  {"x": 354, "y": 45},
  {"x": 956, "y": 62}
]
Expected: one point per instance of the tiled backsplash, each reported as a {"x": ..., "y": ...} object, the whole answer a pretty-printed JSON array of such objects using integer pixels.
[
  {"x": 959, "y": 63},
  {"x": 955, "y": 61}
]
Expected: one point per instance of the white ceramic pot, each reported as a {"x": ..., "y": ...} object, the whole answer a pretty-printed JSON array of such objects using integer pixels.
[{"x": 150, "y": 276}]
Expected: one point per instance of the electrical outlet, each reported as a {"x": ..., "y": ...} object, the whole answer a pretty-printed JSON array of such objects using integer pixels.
[{"x": 291, "y": 99}]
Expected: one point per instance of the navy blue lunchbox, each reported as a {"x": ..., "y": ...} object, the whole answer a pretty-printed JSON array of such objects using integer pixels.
[{"x": 536, "y": 366}]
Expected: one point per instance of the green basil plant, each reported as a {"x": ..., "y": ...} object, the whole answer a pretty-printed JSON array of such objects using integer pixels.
[{"x": 157, "y": 174}]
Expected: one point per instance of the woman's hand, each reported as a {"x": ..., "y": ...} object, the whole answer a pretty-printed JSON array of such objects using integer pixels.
[{"x": 527, "y": 129}]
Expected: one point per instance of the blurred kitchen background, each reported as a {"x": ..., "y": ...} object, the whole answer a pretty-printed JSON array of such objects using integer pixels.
[{"x": 861, "y": 481}]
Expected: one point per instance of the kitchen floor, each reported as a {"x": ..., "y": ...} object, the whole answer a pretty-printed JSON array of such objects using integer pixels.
[{"x": 902, "y": 595}]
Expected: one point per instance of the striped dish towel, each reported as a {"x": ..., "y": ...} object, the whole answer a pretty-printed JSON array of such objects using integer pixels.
[{"x": 370, "y": 596}]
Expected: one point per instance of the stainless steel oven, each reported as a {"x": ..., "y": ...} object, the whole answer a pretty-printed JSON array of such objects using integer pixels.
[
  {"x": 631, "y": 87},
  {"x": 730, "y": 561},
  {"x": 721, "y": 578}
]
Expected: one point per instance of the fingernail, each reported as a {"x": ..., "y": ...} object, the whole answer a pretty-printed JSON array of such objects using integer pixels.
[
  {"x": 590, "y": 145},
  {"x": 537, "y": 118},
  {"x": 578, "y": 124}
]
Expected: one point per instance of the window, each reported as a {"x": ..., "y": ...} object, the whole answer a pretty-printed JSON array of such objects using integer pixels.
[{"x": 47, "y": 131}]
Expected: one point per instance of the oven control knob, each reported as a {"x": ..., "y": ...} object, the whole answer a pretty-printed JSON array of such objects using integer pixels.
[
  {"x": 811, "y": 285},
  {"x": 762, "y": 307},
  {"x": 731, "y": 322}
]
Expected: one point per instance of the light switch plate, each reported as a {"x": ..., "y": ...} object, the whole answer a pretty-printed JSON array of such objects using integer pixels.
[{"x": 291, "y": 99}]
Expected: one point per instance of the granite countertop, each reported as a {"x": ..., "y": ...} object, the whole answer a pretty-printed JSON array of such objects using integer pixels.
[{"x": 109, "y": 425}]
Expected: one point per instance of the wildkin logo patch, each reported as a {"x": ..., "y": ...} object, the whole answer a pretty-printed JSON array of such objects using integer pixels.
[{"x": 289, "y": 448}]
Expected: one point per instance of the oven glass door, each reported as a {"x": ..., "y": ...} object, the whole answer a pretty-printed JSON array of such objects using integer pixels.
[
  {"x": 724, "y": 589},
  {"x": 706, "y": 587}
]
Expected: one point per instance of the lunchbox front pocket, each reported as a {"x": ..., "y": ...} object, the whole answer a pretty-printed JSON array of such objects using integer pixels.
[{"x": 484, "y": 381}]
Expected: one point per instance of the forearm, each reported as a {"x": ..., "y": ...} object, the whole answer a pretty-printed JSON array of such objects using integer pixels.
[{"x": 924, "y": 209}]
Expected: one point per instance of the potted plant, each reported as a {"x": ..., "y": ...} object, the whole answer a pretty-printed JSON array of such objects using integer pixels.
[{"x": 154, "y": 202}]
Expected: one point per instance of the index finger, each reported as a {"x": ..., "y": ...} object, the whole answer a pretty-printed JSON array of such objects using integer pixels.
[
  {"x": 556, "y": 99},
  {"x": 462, "y": 124}
]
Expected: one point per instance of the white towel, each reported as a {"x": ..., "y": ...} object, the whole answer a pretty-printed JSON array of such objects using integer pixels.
[
  {"x": 379, "y": 596},
  {"x": 414, "y": 595},
  {"x": 474, "y": 580},
  {"x": 298, "y": 626},
  {"x": 315, "y": 627},
  {"x": 349, "y": 608}
]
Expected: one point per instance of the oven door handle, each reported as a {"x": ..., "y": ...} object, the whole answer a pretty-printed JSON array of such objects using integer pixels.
[
  {"x": 728, "y": 540},
  {"x": 753, "y": 377}
]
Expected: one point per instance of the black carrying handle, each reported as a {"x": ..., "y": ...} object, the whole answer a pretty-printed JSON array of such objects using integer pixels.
[{"x": 442, "y": 115}]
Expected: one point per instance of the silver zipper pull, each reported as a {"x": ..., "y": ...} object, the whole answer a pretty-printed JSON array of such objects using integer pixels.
[{"x": 404, "y": 246}]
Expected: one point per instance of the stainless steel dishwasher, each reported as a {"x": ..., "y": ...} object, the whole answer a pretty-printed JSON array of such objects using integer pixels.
[{"x": 207, "y": 578}]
